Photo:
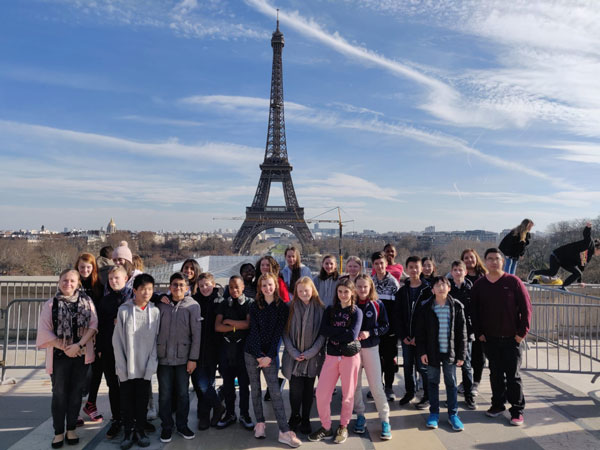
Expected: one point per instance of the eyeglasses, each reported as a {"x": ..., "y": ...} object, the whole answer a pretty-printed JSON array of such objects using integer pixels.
[{"x": 179, "y": 285}]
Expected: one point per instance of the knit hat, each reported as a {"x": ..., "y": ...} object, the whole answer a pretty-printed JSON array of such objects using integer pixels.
[{"x": 122, "y": 251}]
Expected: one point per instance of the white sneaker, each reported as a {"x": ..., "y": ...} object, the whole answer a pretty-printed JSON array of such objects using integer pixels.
[
  {"x": 290, "y": 439},
  {"x": 259, "y": 431}
]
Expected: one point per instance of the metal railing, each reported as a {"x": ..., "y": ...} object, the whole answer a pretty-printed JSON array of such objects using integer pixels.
[{"x": 20, "y": 331}]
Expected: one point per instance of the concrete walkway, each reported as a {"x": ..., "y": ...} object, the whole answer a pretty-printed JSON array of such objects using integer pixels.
[{"x": 562, "y": 412}]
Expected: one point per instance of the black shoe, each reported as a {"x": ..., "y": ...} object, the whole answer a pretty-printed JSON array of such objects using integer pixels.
[
  {"x": 423, "y": 403},
  {"x": 113, "y": 431},
  {"x": 58, "y": 444},
  {"x": 294, "y": 422},
  {"x": 305, "y": 427},
  {"x": 127, "y": 441},
  {"x": 218, "y": 412},
  {"x": 320, "y": 434},
  {"x": 204, "y": 422},
  {"x": 148, "y": 427},
  {"x": 142, "y": 439},
  {"x": 470, "y": 402},
  {"x": 267, "y": 397},
  {"x": 166, "y": 435},
  {"x": 246, "y": 422},
  {"x": 71, "y": 441},
  {"x": 186, "y": 433},
  {"x": 406, "y": 399},
  {"x": 229, "y": 419}
]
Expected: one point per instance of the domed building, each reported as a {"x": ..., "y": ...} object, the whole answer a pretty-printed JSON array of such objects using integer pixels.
[{"x": 111, "y": 227}]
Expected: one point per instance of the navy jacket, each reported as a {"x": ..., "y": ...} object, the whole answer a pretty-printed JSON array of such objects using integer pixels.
[
  {"x": 340, "y": 326},
  {"x": 375, "y": 322},
  {"x": 406, "y": 311}
]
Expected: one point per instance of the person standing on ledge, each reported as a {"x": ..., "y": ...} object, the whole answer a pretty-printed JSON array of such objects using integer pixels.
[
  {"x": 572, "y": 257},
  {"x": 501, "y": 319},
  {"x": 513, "y": 245}
]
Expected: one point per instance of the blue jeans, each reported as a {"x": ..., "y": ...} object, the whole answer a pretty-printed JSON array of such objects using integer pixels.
[
  {"x": 409, "y": 356},
  {"x": 173, "y": 381},
  {"x": 203, "y": 379},
  {"x": 433, "y": 380},
  {"x": 510, "y": 265},
  {"x": 467, "y": 372}
]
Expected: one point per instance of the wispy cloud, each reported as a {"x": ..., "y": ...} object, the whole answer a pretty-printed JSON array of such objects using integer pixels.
[
  {"x": 224, "y": 154},
  {"x": 186, "y": 18},
  {"x": 341, "y": 185},
  {"x": 330, "y": 119},
  {"x": 162, "y": 121}
]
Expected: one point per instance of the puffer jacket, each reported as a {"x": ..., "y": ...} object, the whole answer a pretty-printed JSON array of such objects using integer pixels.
[{"x": 179, "y": 335}]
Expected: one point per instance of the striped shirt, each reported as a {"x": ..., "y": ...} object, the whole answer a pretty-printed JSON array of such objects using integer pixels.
[{"x": 443, "y": 314}]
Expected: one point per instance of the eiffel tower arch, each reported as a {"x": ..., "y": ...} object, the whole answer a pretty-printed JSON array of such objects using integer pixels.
[{"x": 275, "y": 168}]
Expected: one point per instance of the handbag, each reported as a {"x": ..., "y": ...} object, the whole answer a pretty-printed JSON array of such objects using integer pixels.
[{"x": 350, "y": 348}]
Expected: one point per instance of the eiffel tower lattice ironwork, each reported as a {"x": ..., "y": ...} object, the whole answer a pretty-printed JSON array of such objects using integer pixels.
[{"x": 275, "y": 168}]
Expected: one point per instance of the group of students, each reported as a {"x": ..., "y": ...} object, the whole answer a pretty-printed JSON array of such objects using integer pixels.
[{"x": 331, "y": 327}]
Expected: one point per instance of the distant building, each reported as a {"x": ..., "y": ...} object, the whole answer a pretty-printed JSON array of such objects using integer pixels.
[
  {"x": 111, "y": 227},
  {"x": 430, "y": 229}
]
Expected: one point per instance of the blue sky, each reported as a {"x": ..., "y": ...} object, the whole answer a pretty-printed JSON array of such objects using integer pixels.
[{"x": 463, "y": 115}]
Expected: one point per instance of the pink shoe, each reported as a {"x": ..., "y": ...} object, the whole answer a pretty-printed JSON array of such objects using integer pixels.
[
  {"x": 290, "y": 439},
  {"x": 259, "y": 430}
]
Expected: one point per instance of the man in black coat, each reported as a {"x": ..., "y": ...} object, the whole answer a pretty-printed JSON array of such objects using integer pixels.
[{"x": 572, "y": 257}]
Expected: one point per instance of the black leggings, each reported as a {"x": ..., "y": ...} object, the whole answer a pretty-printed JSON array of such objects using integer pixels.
[
  {"x": 555, "y": 264},
  {"x": 301, "y": 394},
  {"x": 94, "y": 380}
]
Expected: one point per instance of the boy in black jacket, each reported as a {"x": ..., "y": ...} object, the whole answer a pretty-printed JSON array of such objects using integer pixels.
[
  {"x": 442, "y": 340},
  {"x": 460, "y": 289},
  {"x": 408, "y": 299},
  {"x": 572, "y": 257}
]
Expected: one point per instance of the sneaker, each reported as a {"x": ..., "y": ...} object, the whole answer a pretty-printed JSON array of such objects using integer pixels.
[
  {"x": 259, "y": 430},
  {"x": 341, "y": 435},
  {"x": 79, "y": 422},
  {"x": 475, "y": 389},
  {"x": 151, "y": 414},
  {"x": 432, "y": 420},
  {"x": 127, "y": 441},
  {"x": 218, "y": 412},
  {"x": 406, "y": 399},
  {"x": 92, "y": 412},
  {"x": 113, "y": 431},
  {"x": 186, "y": 433},
  {"x": 422, "y": 404},
  {"x": 229, "y": 419},
  {"x": 289, "y": 438},
  {"x": 455, "y": 422},
  {"x": 461, "y": 388},
  {"x": 149, "y": 428},
  {"x": 386, "y": 431},
  {"x": 305, "y": 427},
  {"x": 166, "y": 435},
  {"x": 470, "y": 403},
  {"x": 389, "y": 393},
  {"x": 359, "y": 425},
  {"x": 320, "y": 434},
  {"x": 246, "y": 422},
  {"x": 495, "y": 411},
  {"x": 142, "y": 440},
  {"x": 516, "y": 419}
]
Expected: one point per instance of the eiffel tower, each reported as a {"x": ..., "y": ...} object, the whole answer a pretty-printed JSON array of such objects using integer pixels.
[{"x": 275, "y": 168}]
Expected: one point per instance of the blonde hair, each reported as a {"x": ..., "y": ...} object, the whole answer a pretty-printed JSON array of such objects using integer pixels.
[
  {"x": 521, "y": 229},
  {"x": 314, "y": 298},
  {"x": 372, "y": 291}
]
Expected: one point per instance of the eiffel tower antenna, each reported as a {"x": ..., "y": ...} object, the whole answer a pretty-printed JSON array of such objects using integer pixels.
[{"x": 275, "y": 168}]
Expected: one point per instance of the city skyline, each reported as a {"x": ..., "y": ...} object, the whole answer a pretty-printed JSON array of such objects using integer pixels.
[{"x": 463, "y": 115}]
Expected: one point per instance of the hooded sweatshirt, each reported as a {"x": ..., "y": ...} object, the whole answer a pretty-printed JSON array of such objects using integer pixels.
[{"x": 134, "y": 341}]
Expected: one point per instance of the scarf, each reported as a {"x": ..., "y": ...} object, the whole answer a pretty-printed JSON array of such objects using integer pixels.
[
  {"x": 73, "y": 311},
  {"x": 304, "y": 331}
]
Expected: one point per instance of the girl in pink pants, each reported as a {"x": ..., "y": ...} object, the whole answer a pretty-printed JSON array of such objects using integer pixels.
[{"x": 340, "y": 325}]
